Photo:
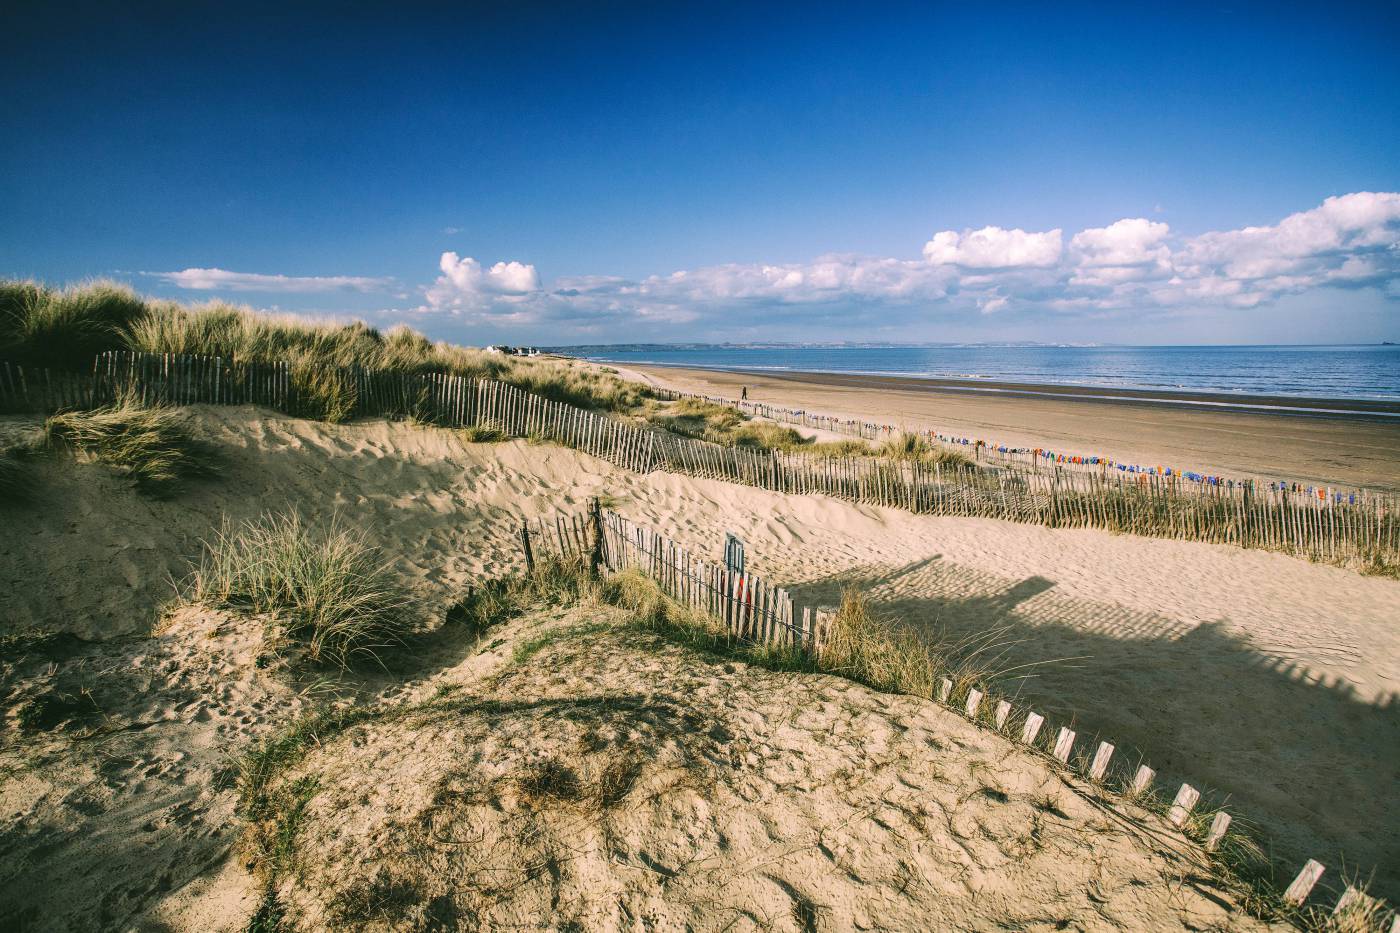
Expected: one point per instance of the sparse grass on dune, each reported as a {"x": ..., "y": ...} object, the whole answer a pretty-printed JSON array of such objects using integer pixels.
[
  {"x": 155, "y": 446},
  {"x": 553, "y": 583},
  {"x": 863, "y": 648},
  {"x": 483, "y": 434},
  {"x": 721, "y": 424},
  {"x": 323, "y": 587},
  {"x": 316, "y": 349},
  {"x": 876, "y": 652}
]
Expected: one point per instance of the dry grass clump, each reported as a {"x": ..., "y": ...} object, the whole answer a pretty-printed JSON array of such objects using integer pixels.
[
  {"x": 722, "y": 424},
  {"x": 483, "y": 434},
  {"x": 64, "y": 329},
  {"x": 879, "y": 654},
  {"x": 696, "y": 418},
  {"x": 324, "y": 587},
  {"x": 322, "y": 393},
  {"x": 909, "y": 446},
  {"x": 155, "y": 446},
  {"x": 554, "y": 582}
]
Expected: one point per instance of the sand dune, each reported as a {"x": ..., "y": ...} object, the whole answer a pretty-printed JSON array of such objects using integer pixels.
[
  {"x": 685, "y": 792},
  {"x": 1208, "y": 659}
]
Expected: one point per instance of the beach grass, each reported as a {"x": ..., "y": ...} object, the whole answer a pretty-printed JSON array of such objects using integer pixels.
[
  {"x": 729, "y": 427},
  {"x": 156, "y": 447},
  {"x": 322, "y": 587},
  {"x": 64, "y": 329}
]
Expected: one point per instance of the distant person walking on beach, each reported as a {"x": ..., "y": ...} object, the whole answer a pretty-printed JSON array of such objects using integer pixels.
[{"x": 743, "y": 393}]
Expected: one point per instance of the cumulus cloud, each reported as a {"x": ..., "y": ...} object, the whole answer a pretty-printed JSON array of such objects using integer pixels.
[
  {"x": 994, "y": 248},
  {"x": 1304, "y": 243},
  {"x": 1132, "y": 265},
  {"x": 465, "y": 286},
  {"x": 223, "y": 279}
]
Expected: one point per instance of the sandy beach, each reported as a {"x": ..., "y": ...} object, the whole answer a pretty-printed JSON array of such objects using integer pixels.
[
  {"x": 1251, "y": 674},
  {"x": 1270, "y": 443}
]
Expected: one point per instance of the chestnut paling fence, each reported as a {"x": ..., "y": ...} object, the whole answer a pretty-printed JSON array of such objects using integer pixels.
[
  {"x": 748, "y": 607},
  {"x": 748, "y": 610},
  {"x": 1358, "y": 528}
]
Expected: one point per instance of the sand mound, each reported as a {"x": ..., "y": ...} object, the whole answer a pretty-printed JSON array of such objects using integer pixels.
[{"x": 612, "y": 780}]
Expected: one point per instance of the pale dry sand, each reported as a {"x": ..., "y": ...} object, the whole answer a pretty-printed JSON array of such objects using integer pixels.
[
  {"x": 1344, "y": 452},
  {"x": 1206, "y": 658},
  {"x": 616, "y": 782}
]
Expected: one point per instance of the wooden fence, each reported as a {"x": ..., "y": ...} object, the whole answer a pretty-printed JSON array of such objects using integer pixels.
[
  {"x": 749, "y": 608},
  {"x": 1359, "y": 528},
  {"x": 990, "y": 451},
  {"x": 754, "y": 612}
]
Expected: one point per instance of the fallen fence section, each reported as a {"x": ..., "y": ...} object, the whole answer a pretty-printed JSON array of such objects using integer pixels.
[
  {"x": 752, "y": 611},
  {"x": 1359, "y": 528}
]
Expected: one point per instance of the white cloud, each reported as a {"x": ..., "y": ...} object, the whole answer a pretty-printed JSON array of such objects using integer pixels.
[
  {"x": 1131, "y": 266},
  {"x": 1306, "y": 242},
  {"x": 1130, "y": 242},
  {"x": 465, "y": 286},
  {"x": 223, "y": 279},
  {"x": 1124, "y": 251},
  {"x": 994, "y": 248}
]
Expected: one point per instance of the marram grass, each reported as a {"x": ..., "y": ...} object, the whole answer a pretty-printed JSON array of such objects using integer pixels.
[
  {"x": 323, "y": 587},
  {"x": 155, "y": 446}
]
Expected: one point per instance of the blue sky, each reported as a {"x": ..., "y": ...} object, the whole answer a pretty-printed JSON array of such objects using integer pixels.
[{"x": 610, "y": 172}]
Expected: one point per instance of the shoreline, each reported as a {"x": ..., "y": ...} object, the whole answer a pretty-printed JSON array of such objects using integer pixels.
[
  {"x": 1270, "y": 440},
  {"x": 1302, "y": 405}
]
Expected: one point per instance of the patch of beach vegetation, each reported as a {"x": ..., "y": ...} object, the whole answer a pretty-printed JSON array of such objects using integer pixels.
[
  {"x": 320, "y": 588},
  {"x": 66, "y": 328},
  {"x": 157, "y": 447},
  {"x": 727, "y": 426}
]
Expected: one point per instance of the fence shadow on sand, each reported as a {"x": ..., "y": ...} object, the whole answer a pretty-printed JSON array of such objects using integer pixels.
[{"x": 1311, "y": 761}]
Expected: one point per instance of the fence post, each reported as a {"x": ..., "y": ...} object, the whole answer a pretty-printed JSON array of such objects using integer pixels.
[
  {"x": 595, "y": 557},
  {"x": 525, "y": 546}
]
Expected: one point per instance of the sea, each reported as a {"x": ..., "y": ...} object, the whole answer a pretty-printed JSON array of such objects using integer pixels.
[{"x": 1339, "y": 372}]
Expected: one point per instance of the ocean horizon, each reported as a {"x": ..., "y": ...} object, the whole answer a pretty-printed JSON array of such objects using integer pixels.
[{"x": 1369, "y": 372}]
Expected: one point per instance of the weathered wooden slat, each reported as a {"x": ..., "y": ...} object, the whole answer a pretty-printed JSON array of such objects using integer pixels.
[
  {"x": 1302, "y": 885},
  {"x": 1182, "y": 805}
]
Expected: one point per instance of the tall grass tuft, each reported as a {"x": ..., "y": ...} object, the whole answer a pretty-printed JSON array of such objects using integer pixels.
[
  {"x": 877, "y": 653},
  {"x": 909, "y": 446},
  {"x": 155, "y": 446},
  {"x": 316, "y": 348},
  {"x": 323, "y": 393},
  {"x": 325, "y": 587},
  {"x": 65, "y": 329},
  {"x": 553, "y": 582}
]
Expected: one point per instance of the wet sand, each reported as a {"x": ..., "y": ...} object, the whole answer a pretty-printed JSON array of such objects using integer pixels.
[{"x": 1303, "y": 440}]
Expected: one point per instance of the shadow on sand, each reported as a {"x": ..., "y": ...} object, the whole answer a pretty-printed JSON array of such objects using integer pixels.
[{"x": 1305, "y": 759}]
